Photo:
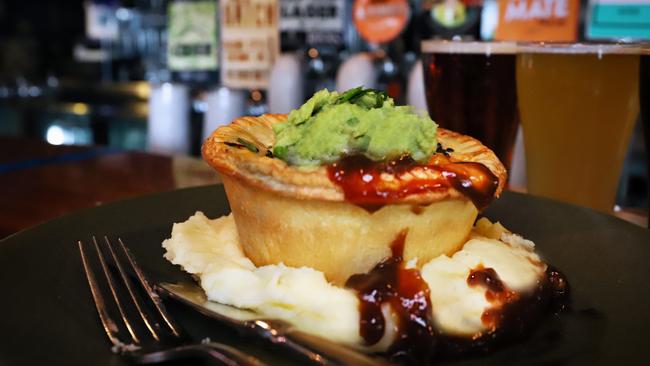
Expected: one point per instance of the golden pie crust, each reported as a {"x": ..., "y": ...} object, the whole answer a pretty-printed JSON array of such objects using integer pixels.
[
  {"x": 297, "y": 216},
  {"x": 220, "y": 150}
]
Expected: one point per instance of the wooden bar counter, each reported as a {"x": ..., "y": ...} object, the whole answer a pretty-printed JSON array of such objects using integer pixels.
[{"x": 39, "y": 181}]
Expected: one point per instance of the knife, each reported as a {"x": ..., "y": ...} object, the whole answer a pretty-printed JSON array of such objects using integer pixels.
[{"x": 318, "y": 350}]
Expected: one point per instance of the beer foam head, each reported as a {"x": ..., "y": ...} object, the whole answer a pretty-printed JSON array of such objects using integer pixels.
[
  {"x": 584, "y": 48},
  {"x": 471, "y": 47}
]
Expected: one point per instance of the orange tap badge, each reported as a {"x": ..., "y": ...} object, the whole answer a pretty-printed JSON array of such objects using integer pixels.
[
  {"x": 538, "y": 20},
  {"x": 380, "y": 21}
]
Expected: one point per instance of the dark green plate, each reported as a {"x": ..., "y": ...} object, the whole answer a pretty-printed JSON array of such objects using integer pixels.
[{"x": 47, "y": 316}]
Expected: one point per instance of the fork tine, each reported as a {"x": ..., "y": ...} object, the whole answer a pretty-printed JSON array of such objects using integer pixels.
[
  {"x": 112, "y": 287},
  {"x": 108, "y": 324},
  {"x": 181, "y": 346},
  {"x": 150, "y": 293},
  {"x": 129, "y": 288}
]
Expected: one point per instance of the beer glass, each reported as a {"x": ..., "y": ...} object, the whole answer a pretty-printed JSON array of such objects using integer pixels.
[
  {"x": 470, "y": 88},
  {"x": 578, "y": 104}
]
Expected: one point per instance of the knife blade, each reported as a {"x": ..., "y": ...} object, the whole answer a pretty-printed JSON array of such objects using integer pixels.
[{"x": 318, "y": 350}]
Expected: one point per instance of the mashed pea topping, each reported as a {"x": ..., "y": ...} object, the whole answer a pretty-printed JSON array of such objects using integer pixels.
[{"x": 359, "y": 121}]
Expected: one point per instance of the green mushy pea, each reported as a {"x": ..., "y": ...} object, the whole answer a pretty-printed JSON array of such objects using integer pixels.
[{"x": 359, "y": 121}]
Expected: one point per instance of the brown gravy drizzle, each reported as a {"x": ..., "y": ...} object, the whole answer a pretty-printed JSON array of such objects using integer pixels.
[
  {"x": 360, "y": 179},
  {"x": 407, "y": 294},
  {"x": 512, "y": 316},
  {"x": 417, "y": 209},
  {"x": 497, "y": 294}
]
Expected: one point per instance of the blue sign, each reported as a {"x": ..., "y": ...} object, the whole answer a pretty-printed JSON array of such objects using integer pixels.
[{"x": 618, "y": 19}]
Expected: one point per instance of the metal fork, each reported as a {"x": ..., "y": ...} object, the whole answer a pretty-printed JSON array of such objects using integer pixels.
[{"x": 151, "y": 335}]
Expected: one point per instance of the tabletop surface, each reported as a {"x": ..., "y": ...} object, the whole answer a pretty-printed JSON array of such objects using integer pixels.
[{"x": 49, "y": 318}]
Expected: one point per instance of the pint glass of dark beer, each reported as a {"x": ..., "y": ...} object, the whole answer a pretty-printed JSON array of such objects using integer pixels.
[{"x": 471, "y": 89}]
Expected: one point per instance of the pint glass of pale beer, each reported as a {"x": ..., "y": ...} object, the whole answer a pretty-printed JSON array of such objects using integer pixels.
[
  {"x": 578, "y": 104},
  {"x": 470, "y": 88}
]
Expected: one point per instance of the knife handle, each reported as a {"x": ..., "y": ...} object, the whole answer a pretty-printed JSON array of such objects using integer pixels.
[{"x": 327, "y": 352}]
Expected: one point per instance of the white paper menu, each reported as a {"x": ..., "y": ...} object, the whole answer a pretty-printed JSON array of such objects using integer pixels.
[{"x": 249, "y": 42}]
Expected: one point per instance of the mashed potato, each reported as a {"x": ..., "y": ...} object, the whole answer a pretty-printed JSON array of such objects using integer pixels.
[{"x": 210, "y": 250}]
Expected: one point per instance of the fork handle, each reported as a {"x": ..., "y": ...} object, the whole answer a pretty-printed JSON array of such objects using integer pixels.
[
  {"x": 225, "y": 355},
  {"x": 219, "y": 350}
]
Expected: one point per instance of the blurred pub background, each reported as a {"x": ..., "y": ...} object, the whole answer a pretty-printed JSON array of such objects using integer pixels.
[{"x": 159, "y": 75}]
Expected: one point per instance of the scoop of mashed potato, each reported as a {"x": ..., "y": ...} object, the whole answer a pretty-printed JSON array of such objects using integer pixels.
[
  {"x": 457, "y": 306},
  {"x": 210, "y": 250}
]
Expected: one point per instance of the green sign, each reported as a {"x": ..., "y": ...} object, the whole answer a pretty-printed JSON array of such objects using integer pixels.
[{"x": 192, "y": 36}]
